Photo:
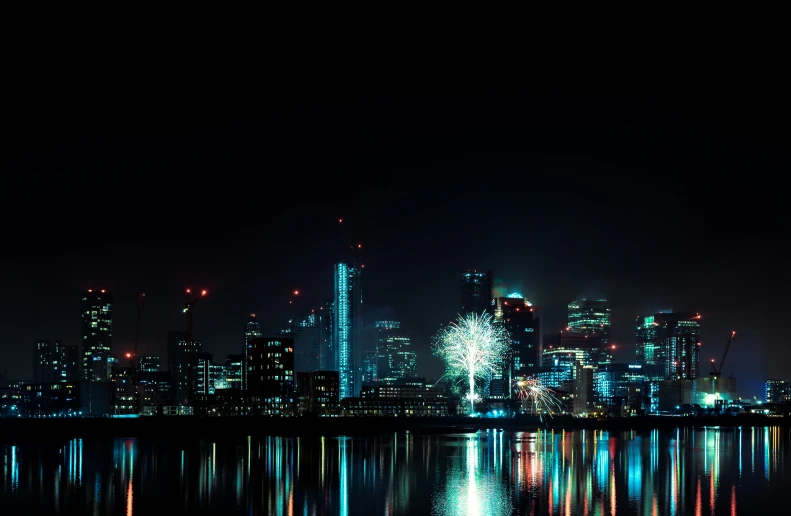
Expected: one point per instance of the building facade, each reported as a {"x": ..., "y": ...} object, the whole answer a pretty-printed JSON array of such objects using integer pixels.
[
  {"x": 777, "y": 391},
  {"x": 97, "y": 333},
  {"x": 317, "y": 393},
  {"x": 347, "y": 325},
  {"x": 670, "y": 341},
  {"x": 48, "y": 362},
  {"x": 181, "y": 354},
  {"x": 396, "y": 360},
  {"x": 270, "y": 376},
  {"x": 307, "y": 344},
  {"x": 592, "y": 317},
  {"x": 522, "y": 322},
  {"x": 369, "y": 374},
  {"x": 476, "y": 292},
  {"x": 252, "y": 330},
  {"x": 148, "y": 364}
]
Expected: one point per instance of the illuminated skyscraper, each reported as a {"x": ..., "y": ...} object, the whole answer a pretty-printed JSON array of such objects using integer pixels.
[
  {"x": 396, "y": 360},
  {"x": 97, "y": 333},
  {"x": 670, "y": 341},
  {"x": 476, "y": 292},
  {"x": 347, "y": 323},
  {"x": 592, "y": 317},
  {"x": 180, "y": 354},
  {"x": 522, "y": 321},
  {"x": 369, "y": 376},
  {"x": 252, "y": 330}
]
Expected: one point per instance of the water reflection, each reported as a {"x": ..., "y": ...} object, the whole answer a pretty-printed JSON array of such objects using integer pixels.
[{"x": 706, "y": 471}]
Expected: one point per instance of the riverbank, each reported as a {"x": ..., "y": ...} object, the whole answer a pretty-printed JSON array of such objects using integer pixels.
[{"x": 14, "y": 429}]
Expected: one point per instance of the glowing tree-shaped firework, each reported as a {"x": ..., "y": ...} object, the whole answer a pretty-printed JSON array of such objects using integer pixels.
[
  {"x": 542, "y": 397},
  {"x": 473, "y": 346}
]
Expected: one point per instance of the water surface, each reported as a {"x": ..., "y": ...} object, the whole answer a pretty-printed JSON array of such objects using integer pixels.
[{"x": 697, "y": 472}]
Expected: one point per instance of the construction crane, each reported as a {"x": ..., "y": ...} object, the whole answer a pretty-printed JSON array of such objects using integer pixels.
[
  {"x": 717, "y": 371},
  {"x": 189, "y": 308}
]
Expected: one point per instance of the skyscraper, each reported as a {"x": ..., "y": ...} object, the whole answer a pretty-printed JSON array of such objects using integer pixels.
[
  {"x": 97, "y": 333},
  {"x": 306, "y": 333},
  {"x": 347, "y": 323},
  {"x": 252, "y": 330},
  {"x": 369, "y": 376},
  {"x": 180, "y": 354},
  {"x": 476, "y": 292},
  {"x": 592, "y": 317},
  {"x": 396, "y": 359},
  {"x": 670, "y": 341},
  {"x": 48, "y": 362},
  {"x": 522, "y": 322}
]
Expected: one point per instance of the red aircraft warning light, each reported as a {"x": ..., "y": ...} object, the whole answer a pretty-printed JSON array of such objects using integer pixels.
[{"x": 203, "y": 292}]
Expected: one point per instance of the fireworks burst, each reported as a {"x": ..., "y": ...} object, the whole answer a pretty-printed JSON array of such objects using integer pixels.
[
  {"x": 542, "y": 397},
  {"x": 471, "y": 347}
]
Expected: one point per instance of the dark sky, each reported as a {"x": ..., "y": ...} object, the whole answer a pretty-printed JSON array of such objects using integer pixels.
[{"x": 613, "y": 159}]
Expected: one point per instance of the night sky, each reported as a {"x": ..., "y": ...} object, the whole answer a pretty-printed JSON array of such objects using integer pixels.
[{"x": 614, "y": 162}]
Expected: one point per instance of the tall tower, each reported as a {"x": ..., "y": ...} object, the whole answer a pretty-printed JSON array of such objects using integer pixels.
[
  {"x": 592, "y": 317},
  {"x": 252, "y": 330},
  {"x": 97, "y": 333},
  {"x": 522, "y": 321},
  {"x": 671, "y": 341},
  {"x": 307, "y": 342},
  {"x": 396, "y": 360},
  {"x": 347, "y": 323},
  {"x": 476, "y": 292},
  {"x": 48, "y": 366}
]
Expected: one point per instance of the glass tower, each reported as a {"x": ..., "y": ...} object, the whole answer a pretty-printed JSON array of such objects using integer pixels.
[
  {"x": 395, "y": 358},
  {"x": 671, "y": 341},
  {"x": 347, "y": 321},
  {"x": 592, "y": 317},
  {"x": 252, "y": 330},
  {"x": 476, "y": 292},
  {"x": 97, "y": 333}
]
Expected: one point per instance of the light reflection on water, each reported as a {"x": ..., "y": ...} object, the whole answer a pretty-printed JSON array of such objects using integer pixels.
[{"x": 706, "y": 471}]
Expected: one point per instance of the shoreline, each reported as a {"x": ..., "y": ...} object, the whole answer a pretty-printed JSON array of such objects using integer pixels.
[{"x": 186, "y": 427}]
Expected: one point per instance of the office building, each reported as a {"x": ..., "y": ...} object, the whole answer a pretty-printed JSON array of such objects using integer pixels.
[
  {"x": 584, "y": 402},
  {"x": 181, "y": 354},
  {"x": 231, "y": 373},
  {"x": 71, "y": 363},
  {"x": 369, "y": 376},
  {"x": 270, "y": 375},
  {"x": 97, "y": 333},
  {"x": 207, "y": 374},
  {"x": 583, "y": 348},
  {"x": 476, "y": 292},
  {"x": 396, "y": 360},
  {"x": 347, "y": 324},
  {"x": 307, "y": 342},
  {"x": 522, "y": 322},
  {"x": 252, "y": 330},
  {"x": 317, "y": 393},
  {"x": 326, "y": 348},
  {"x": 592, "y": 317},
  {"x": 670, "y": 341},
  {"x": 777, "y": 391},
  {"x": 48, "y": 363},
  {"x": 148, "y": 364}
]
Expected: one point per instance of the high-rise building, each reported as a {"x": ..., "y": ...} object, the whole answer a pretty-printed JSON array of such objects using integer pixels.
[
  {"x": 180, "y": 354},
  {"x": 522, "y": 322},
  {"x": 252, "y": 330},
  {"x": 563, "y": 352},
  {"x": 777, "y": 391},
  {"x": 71, "y": 363},
  {"x": 476, "y": 292},
  {"x": 396, "y": 359},
  {"x": 326, "y": 349},
  {"x": 307, "y": 344},
  {"x": 207, "y": 374},
  {"x": 347, "y": 324},
  {"x": 232, "y": 373},
  {"x": 369, "y": 376},
  {"x": 270, "y": 375},
  {"x": 97, "y": 333},
  {"x": 592, "y": 317},
  {"x": 148, "y": 364},
  {"x": 670, "y": 341},
  {"x": 48, "y": 363}
]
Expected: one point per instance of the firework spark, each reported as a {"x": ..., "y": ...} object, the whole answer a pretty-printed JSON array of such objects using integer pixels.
[
  {"x": 473, "y": 346},
  {"x": 542, "y": 397}
]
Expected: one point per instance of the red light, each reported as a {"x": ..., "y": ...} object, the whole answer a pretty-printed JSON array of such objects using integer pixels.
[
  {"x": 203, "y": 292},
  {"x": 359, "y": 246},
  {"x": 189, "y": 291},
  {"x": 340, "y": 221},
  {"x": 128, "y": 355},
  {"x": 613, "y": 346},
  {"x": 517, "y": 309},
  {"x": 296, "y": 292},
  {"x": 567, "y": 328},
  {"x": 90, "y": 290},
  {"x": 102, "y": 291},
  {"x": 363, "y": 266}
]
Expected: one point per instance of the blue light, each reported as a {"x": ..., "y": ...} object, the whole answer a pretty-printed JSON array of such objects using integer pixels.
[{"x": 515, "y": 295}]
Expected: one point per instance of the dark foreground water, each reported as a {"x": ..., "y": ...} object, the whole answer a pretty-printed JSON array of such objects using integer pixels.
[{"x": 697, "y": 472}]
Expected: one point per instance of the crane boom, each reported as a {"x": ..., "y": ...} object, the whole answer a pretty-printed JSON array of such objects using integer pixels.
[{"x": 725, "y": 354}]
